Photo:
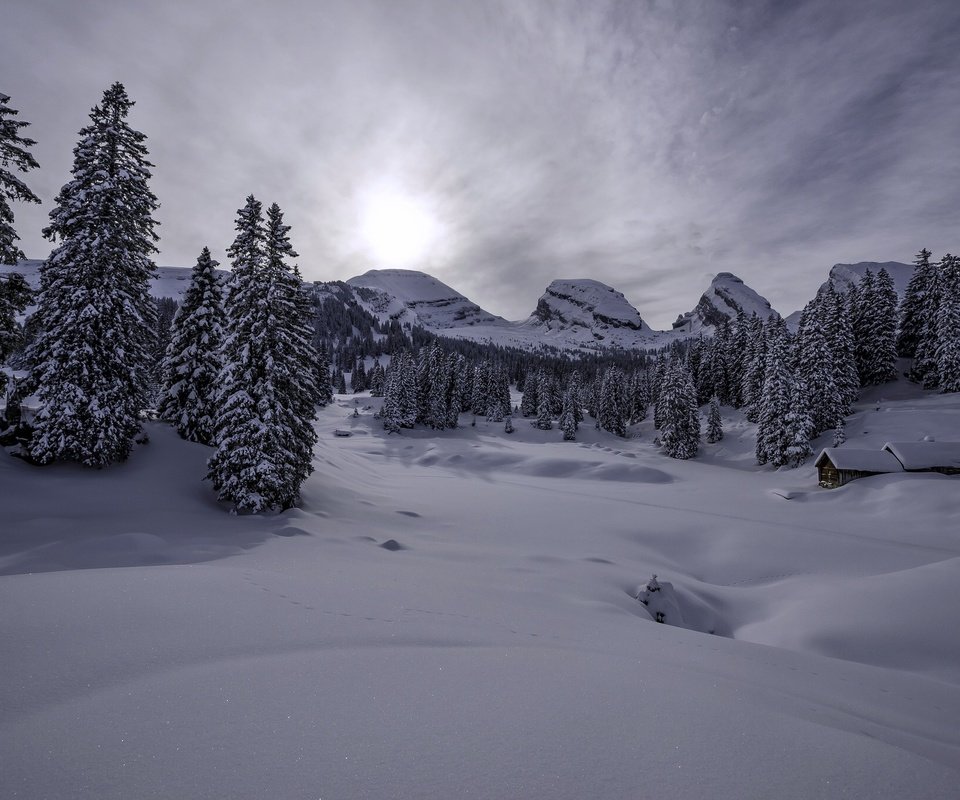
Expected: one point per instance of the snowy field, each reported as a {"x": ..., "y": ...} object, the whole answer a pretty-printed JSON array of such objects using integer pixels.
[{"x": 153, "y": 646}]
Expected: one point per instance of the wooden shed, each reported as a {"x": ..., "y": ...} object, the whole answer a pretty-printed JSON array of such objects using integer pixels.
[
  {"x": 925, "y": 456},
  {"x": 839, "y": 465}
]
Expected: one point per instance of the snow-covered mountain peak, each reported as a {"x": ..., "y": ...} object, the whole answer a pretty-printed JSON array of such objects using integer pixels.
[
  {"x": 726, "y": 296},
  {"x": 412, "y": 296},
  {"x": 845, "y": 276},
  {"x": 587, "y": 304}
]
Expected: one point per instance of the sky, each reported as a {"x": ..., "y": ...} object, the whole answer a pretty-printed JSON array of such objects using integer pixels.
[{"x": 501, "y": 145}]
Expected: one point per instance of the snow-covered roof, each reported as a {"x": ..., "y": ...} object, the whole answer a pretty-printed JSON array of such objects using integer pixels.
[
  {"x": 860, "y": 460},
  {"x": 925, "y": 455}
]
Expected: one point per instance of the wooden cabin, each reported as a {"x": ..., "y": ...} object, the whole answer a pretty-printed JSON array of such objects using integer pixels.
[
  {"x": 837, "y": 466},
  {"x": 942, "y": 457}
]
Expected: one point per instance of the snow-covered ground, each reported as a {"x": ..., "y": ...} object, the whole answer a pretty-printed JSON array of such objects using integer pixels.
[{"x": 154, "y": 646}]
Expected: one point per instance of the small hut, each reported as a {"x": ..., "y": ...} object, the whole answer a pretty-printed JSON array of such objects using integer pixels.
[
  {"x": 839, "y": 465},
  {"x": 927, "y": 456}
]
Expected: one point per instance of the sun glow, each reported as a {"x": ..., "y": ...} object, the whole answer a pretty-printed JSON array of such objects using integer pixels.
[{"x": 396, "y": 228}]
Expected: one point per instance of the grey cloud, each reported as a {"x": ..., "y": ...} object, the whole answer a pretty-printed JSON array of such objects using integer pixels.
[{"x": 643, "y": 144}]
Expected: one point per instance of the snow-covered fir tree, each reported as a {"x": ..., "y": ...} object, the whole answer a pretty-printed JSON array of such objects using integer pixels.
[
  {"x": 358, "y": 377},
  {"x": 679, "y": 412},
  {"x": 835, "y": 318},
  {"x": 376, "y": 380},
  {"x": 638, "y": 397},
  {"x": 530, "y": 401},
  {"x": 612, "y": 413},
  {"x": 913, "y": 309},
  {"x": 91, "y": 360},
  {"x": 15, "y": 157},
  {"x": 839, "y": 432},
  {"x": 264, "y": 431},
  {"x": 874, "y": 320},
  {"x": 341, "y": 382},
  {"x": 400, "y": 395},
  {"x": 947, "y": 350},
  {"x": 15, "y": 296},
  {"x": 755, "y": 364},
  {"x": 192, "y": 365},
  {"x": 544, "y": 417},
  {"x": 714, "y": 421},
  {"x": 773, "y": 436},
  {"x": 815, "y": 367},
  {"x": 797, "y": 426},
  {"x": 321, "y": 375}
]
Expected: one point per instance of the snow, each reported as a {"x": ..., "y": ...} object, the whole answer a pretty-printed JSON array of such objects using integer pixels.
[
  {"x": 156, "y": 646},
  {"x": 850, "y": 458},
  {"x": 924, "y": 455}
]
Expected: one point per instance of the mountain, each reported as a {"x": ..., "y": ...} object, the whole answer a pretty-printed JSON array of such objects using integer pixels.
[
  {"x": 584, "y": 312},
  {"x": 170, "y": 281},
  {"x": 844, "y": 276},
  {"x": 420, "y": 299},
  {"x": 726, "y": 296}
]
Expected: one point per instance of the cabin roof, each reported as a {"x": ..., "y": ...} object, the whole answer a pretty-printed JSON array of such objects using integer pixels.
[
  {"x": 925, "y": 455},
  {"x": 860, "y": 460}
]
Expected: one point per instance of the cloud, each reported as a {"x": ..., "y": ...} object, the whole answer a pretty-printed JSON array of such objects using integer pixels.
[{"x": 643, "y": 144}]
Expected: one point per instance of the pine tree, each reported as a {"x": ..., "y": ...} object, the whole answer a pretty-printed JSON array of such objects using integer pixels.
[
  {"x": 839, "y": 432},
  {"x": 15, "y": 296},
  {"x": 438, "y": 388},
  {"x": 341, "y": 382},
  {"x": 544, "y": 418},
  {"x": 835, "y": 318},
  {"x": 773, "y": 436},
  {"x": 568, "y": 422},
  {"x": 612, "y": 413},
  {"x": 797, "y": 426},
  {"x": 862, "y": 316},
  {"x": 264, "y": 433},
  {"x": 530, "y": 401},
  {"x": 883, "y": 363},
  {"x": 376, "y": 380},
  {"x": 714, "y": 421},
  {"x": 14, "y": 157},
  {"x": 913, "y": 308},
  {"x": 679, "y": 412},
  {"x": 815, "y": 367},
  {"x": 948, "y": 325},
  {"x": 755, "y": 363},
  {"x": 321, "y": 375},
  {"x": 91, "y": 361},
  {"x": 192, "y": 364},
  {"x": 358, "y": 377}
]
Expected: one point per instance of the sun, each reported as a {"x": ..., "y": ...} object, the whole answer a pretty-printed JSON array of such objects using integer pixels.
[{"x": 397, "y": 228}]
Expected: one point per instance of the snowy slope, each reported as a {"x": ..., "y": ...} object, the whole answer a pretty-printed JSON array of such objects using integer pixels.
[
  {"x": 726, "y": 296},
  {"x": 156, "y": 647}
]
